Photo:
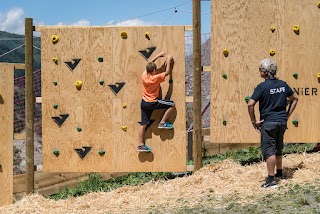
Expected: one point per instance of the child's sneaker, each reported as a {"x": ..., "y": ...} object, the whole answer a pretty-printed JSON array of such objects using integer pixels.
[
  {"x": 143, "y": 148},
  {"x": 165, "y": 125},
  {"x": 272, "y": 184}
]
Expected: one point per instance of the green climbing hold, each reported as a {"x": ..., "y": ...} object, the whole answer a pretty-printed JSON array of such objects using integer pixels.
[
  {"x": 56, "y": 152},
  {"x": 247, "y": 98},
  {"x": 295, "y": 75},
  {"x": 79, "y": 129},
  {"x": 102, "y": 152},
  {"x": 295, "y": 122},
  {"x": 224, "y": 122},
  {"x": 101, "y": 82},
  {"x": 225, "y": 76},
  {"x": 55, "y": 83},
  {"x": 100, "y": 59},
  {"x": 55, "y": 106}
]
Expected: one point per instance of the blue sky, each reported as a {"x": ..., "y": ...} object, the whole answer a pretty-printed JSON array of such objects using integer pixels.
[{"x": 99, "y": 13}]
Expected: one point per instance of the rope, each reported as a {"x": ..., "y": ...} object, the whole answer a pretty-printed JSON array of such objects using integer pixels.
[{"x": 11, "y": 50}]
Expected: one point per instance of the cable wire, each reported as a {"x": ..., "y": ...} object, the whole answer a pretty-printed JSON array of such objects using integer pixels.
[{"x": 11, "y": 50}]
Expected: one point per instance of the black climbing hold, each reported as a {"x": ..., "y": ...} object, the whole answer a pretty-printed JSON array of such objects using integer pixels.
[
  {"x": 100, "y": 59},
  {"x": 116, "y": 87},
  {"x": 147, "y": 52},
  {"x": 170, "y": 81},
  {"x": 61, "y": 120},
  {"x": 73, "y": 65},
  {"x": 82, "y": 153}
]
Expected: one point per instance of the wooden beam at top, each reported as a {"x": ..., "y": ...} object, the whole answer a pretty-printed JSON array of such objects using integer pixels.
[{"x": 188, "y": 28}]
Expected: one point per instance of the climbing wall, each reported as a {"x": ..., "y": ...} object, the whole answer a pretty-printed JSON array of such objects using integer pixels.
[
  {"x": 6, "y": 132},
  {"x": 91, "y": 94},
  {"x": 245, "y": 32}
]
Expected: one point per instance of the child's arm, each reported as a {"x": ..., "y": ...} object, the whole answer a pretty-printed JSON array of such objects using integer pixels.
[
  {"x": 168, "y": 65},
  {"x": 161, "y": 54}
]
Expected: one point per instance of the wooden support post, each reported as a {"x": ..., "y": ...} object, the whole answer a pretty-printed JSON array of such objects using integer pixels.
[
  {"x": 197, "y": 142},
  {"x": 29, "y": 97}
]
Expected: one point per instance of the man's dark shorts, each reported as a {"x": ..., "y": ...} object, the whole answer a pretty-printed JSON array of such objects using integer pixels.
[
  {"x": 272, "y": 134},
  {"x": 148, "y": 107}
]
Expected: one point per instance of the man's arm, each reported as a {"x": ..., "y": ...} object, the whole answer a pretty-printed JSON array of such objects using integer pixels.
[
  {"x": 168, "y": 65},
  {"x": 161, "y": 54},
  {"x": 294, "y": 99}
]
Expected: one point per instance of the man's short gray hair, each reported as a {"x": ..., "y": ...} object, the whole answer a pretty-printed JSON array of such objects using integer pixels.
[{"x": 270, "y": 66}]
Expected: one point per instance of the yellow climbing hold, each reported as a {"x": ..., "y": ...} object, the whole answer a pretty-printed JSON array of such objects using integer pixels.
[
  {"x": 55, "y": 60},
  {"x": 318, "y": 4},
  {"x": 296, "y": 29},
  {"x": 272, "y": 29},
  {"x": 124, "y": 35},
  {"x": 147, "y": 35},
  {"x": 225, "y": 52},
  {"x": 124, "y": 105},
  {"x": 272, "y": 52},
  {"x": 318, "y": 75},
  {"x": 124, "y": 128},
  {"x": 55, "y": 39},
  {"x": 79, "y": 84}
]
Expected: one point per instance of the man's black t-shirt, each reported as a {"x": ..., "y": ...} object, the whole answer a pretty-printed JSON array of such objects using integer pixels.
[{"x": 272, "y": 96}]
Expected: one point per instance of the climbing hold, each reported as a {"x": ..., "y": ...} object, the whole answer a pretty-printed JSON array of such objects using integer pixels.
[
  {"x": 318, "y": 75},
  {"x": 102, "y": 152},
  {"x": 273, "y": 29},
  {"x": 55, "y": 39},
  {"x": 272, "y": 52},
  {"x": 82, "y": 153},
  {"x": 170, "y": 81},
  {"x": 296, "y": 29},
  {"x": 124, "y": 105},
  {"x": 147, "y": 35},
  {"x": 100, "y": 59},
  {"x": 72, "y": 65},
  {"x": 225, "y": 76},
  {"x": 61, "y": 120},
  {"x": 225, "y": 52},
  {"x": 55, "y": 83},
  {"x": 147, "y": 52},
  {"x": 79, "y": 129},
  {"x": 117, "y": 87},
  {"x": 124, "y": 35},
  {"x": 55, "y": 60},
  {"x": 247, "y": 98},
  {"x": 295, "y": 75},
  {"x": 124, "y": 128},
  {"x": 56, "y": 152},
  {"x": 295, "y": 122},
  {"x": 318, "y": 4},
  {"x": 78, "y": 84},
  {"x": 101, "y": 82},
  {"x": 224, "y": 122},
  {"x": 55, "y": 106}
]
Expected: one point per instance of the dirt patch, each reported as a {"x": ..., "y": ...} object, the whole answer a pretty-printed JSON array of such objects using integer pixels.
[{"x": 216, "y": 184}]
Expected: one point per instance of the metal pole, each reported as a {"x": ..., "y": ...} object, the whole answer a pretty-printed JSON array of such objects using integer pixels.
[
  {"x": 197, "y": 135},
  {"x": 29, "y": 102}
]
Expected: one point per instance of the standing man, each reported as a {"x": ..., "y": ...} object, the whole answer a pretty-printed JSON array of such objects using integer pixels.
[{"x": 272, "y": 95}]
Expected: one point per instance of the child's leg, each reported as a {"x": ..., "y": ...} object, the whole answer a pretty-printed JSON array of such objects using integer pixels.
[
  {"x": 142, "y": 130},
  {"x": 167, "y": 114}
]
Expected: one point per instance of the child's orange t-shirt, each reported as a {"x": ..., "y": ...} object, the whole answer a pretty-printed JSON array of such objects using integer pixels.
[{"x": 151, "y": 85}]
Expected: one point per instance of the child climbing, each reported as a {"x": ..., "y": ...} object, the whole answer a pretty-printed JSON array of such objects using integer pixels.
[{"x": 151, "y": 79}]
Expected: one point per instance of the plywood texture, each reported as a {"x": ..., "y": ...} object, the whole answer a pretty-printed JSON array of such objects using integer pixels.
[
  {"x": 243, "y": 27},
  {"x": 6, "y": 132},
  {"x": 99, "y": 111}
]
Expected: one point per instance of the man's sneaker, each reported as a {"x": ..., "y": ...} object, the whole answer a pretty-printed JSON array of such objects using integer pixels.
[
  {"x": 272, "y": 184},
  {"x": 143, "y": 148},
  {"x": 281, "y": 177},
  {"x": 165, "y": 125}
]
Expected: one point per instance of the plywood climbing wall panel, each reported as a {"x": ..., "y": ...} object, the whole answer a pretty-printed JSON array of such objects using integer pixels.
[
  {"x": 244, "y": 29},
  {"x": 6, "y": 132},
  {"x": 106, "y": 124}
]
